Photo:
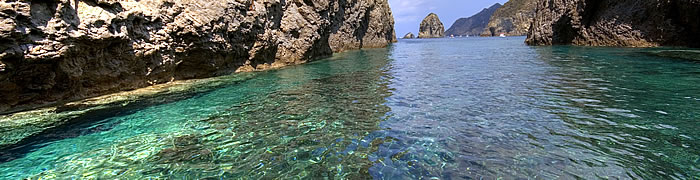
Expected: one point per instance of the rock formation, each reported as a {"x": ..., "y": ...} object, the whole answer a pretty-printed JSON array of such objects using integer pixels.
[
  {"x": 431, "y": 27},
  {"x": 67, "y": 49},
  {"x": 512, "y": 19},
  {"x": 409, "y": 36},
  {"x": 473, "y": 25},
  {"x": 636, "y": 23}
]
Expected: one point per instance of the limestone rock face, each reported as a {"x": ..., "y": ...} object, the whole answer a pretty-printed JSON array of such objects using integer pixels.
[
  {"x": 473, "y": 25},
  {"x": 68, "y": 49},
  {"x": 431, "y": 27},
  {"x": 635, "y": 23},
  {"x": 512, "y": 19},
  {"x": 409, "y": 36}
]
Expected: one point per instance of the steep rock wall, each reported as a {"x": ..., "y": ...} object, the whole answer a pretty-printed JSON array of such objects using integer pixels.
[
  {"x": 58, "y": 50},
  {"x": 634, "y": 23}
]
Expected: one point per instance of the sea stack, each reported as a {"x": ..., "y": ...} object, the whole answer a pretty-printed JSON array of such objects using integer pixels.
[
  {"x": 431, "y": 27},
  {"x": 512, "y": 19},
  {"x": 631, "y": 23},
  {"x": 409, "y": 36}
]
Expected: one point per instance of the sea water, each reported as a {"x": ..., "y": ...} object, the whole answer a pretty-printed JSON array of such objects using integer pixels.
[{"x": 465, "y": 108}]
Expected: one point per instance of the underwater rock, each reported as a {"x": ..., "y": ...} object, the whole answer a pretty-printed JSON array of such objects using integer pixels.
[
  {"x": 693, "y": 55},
  {"x": 186, "y": 148}
]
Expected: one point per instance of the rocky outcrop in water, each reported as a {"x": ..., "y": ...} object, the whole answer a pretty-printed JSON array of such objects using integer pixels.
[
  {"x": 473, "y": 25},
  {"x": 63, "y": 50},
  {"x": 431, "y": 27},
  {"x": 512, "y": 19},
  {"x": 635, "y": 23},
  {"x": 409, "y": 36}
]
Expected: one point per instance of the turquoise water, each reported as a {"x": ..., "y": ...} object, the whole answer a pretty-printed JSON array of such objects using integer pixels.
[{"x": 472, "y": 108}]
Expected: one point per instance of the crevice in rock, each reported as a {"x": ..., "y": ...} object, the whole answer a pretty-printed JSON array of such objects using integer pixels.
[
  {"x": 42, "y": 11},
  {"x": 564, "y": 31},
  {"x": 590, "y": 11},
  {"x": 364, "y": 26}
]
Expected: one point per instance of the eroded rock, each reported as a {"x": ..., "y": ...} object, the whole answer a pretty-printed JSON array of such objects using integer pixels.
[
  {"x": 431, "y": 27},
  {"x": 634, "y": 23},
  {"x": 64, "y": 49}
]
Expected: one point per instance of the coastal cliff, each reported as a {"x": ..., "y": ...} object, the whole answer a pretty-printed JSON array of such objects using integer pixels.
[
  {"x": 431, "y": 27},
  {"x": 633, "y": 23},
  {"x": 72, "y": 49},
  {"x": 512, "y": 19},
  {"x": 473, "y": 25}
]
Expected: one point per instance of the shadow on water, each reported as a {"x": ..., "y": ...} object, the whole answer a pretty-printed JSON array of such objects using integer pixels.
[
  {"x": 95, "y": 120},
  {"x": 311, "y": 121}
]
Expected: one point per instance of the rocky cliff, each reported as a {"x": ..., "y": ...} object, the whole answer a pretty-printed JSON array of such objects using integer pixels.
[
  {"x": 431, "y": 27},
  {"x": 512, "y": 19},
  {"x": 636, "y": 23},
  {"x": 473, "y": 25},
  {"x": 70, "y": 49}
]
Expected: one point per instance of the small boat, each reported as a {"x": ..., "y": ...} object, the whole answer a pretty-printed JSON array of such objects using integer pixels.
[
  {"x": 502, "y": 35},
  {"x": 452, "y": 36}
]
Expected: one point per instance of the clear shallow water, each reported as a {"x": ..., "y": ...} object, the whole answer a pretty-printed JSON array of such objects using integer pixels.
[{"x": 446, "y": 108}]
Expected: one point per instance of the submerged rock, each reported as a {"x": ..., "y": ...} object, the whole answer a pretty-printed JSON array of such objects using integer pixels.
[
  {"x": 473, "y": 25},
  {"x": 693, "y": 55},
  {"x": 431, "y": 27},
  {"x": 64, "y": 120},
  {"x": 512, "y": 19},
  {"x": 636, "y": 23},
  {"x": 65, "y": 50},
  {"x": 409, "y": 36}
]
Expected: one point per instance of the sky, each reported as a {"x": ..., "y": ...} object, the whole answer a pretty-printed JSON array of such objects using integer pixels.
[{"x": 409, "y": 13}]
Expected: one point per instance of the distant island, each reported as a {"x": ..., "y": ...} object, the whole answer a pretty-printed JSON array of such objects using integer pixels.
[{"x": 474, "y": 25}]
